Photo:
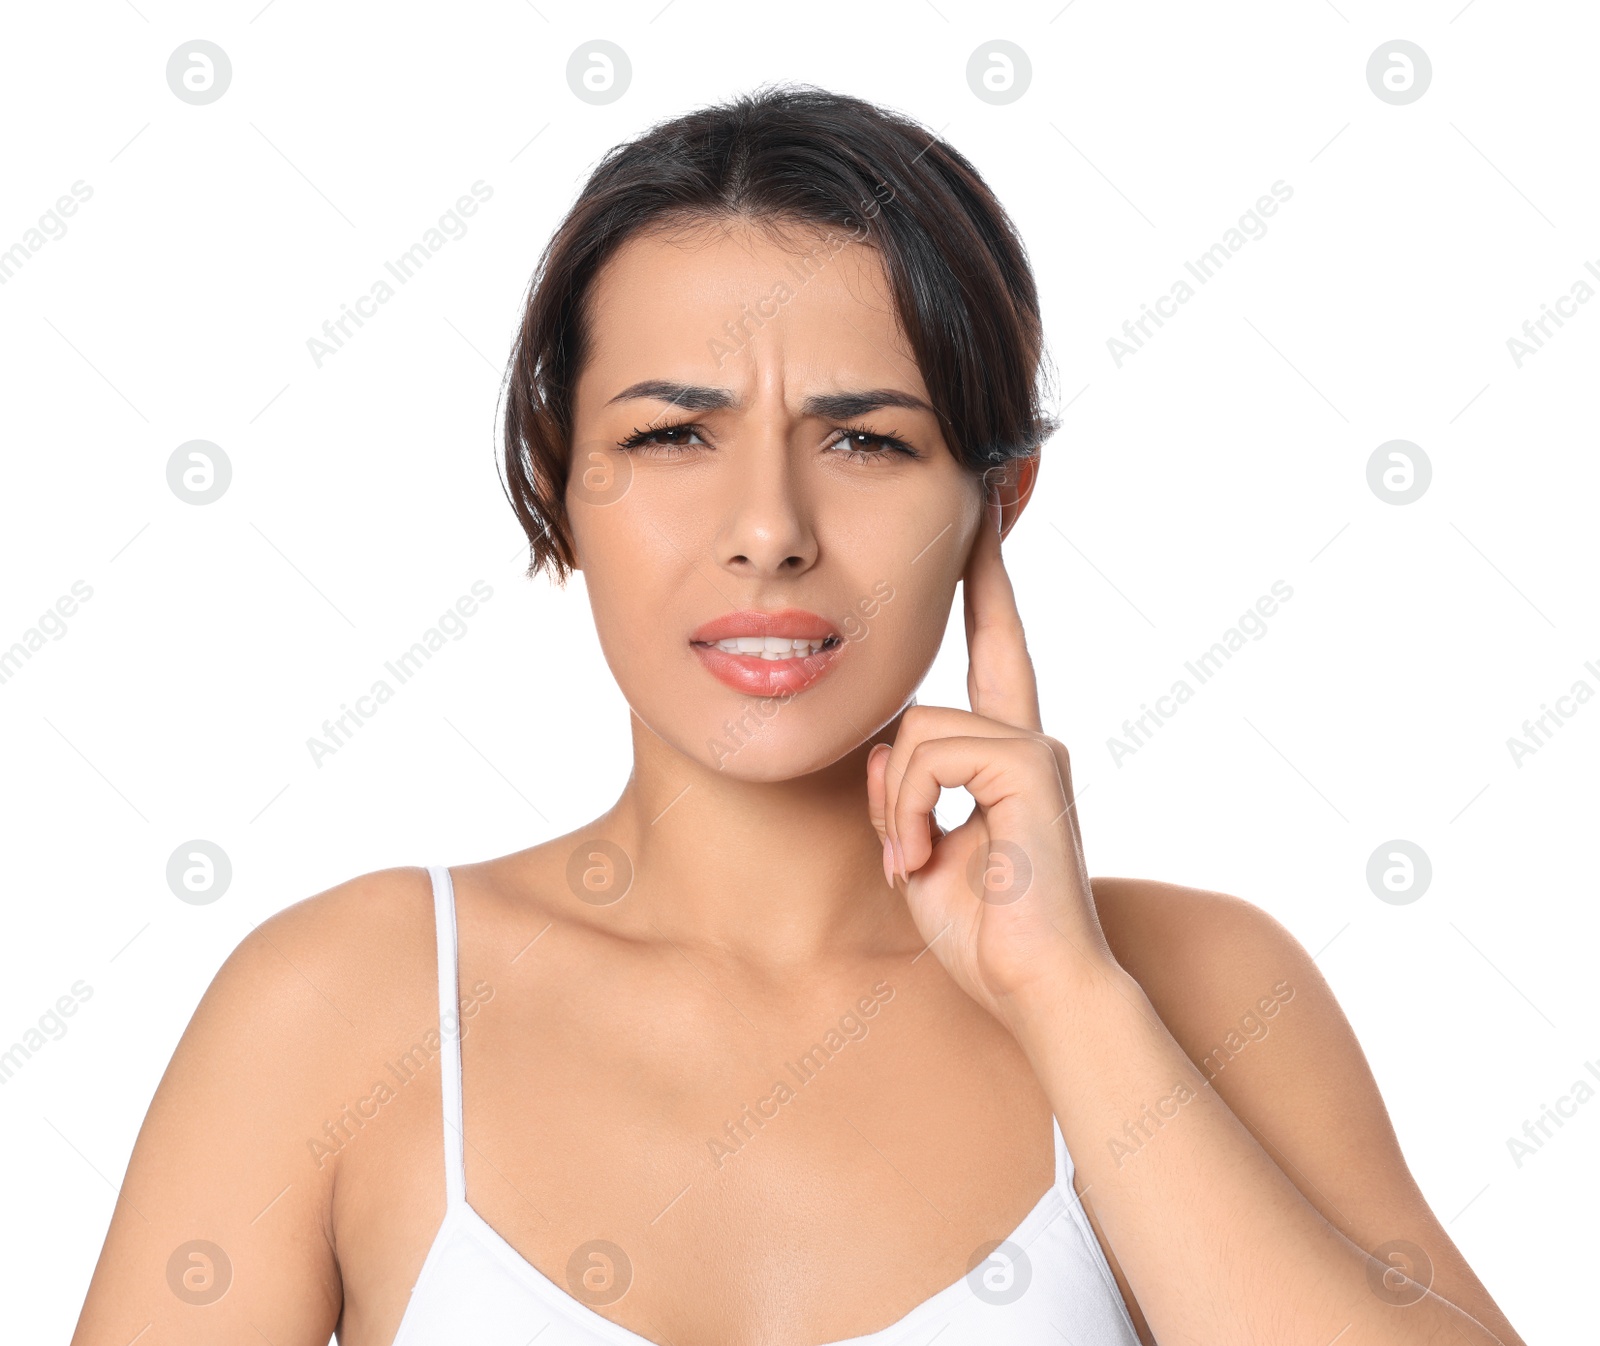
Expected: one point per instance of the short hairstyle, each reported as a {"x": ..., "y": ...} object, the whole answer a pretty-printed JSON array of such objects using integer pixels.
[{"x": 791, "y": 154}]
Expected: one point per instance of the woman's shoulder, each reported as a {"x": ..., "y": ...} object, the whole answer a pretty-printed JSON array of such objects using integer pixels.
[
  {"x": 252, "y": 1111},
  {"x": 322, "y": 984},
  {"x": 394, "y": 899},
  {"x": 309, "y": 999},
  {"x": 1221, "y": 973},
  {"x": 1253, "y": 1012},
  {"x": 1199, "y": 935},
  {"x": 1249, "y": 1006},
  {"x": 368, "y": 943},
  {"x": 344, "y": 953},
  {"x": 321, "y": 991}
]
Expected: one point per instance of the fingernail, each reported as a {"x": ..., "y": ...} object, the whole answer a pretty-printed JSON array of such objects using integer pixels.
[
  {"x": 900, "y": 861},
  {"x": 888, "y": 858}
]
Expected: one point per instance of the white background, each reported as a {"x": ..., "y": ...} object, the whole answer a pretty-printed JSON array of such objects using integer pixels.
[{"x": 1229, "y": 453}]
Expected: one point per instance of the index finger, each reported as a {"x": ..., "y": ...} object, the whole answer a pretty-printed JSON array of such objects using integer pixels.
[{"x": 1000, "y": 679}]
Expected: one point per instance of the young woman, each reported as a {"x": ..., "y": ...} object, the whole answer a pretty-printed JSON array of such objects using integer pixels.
[{"x": 763, "y": 1054}]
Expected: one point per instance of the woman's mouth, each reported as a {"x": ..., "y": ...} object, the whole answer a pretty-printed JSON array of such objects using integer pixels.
[
  {"x": 767, "y": 654},
  {"x": 773, "y": 647}
]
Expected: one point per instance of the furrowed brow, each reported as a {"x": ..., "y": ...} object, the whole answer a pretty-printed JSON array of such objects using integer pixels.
[
  {"x": 689, "y": 396},
  {"x": 846, "y": 406},
  {"x": 839, "y": 406}
]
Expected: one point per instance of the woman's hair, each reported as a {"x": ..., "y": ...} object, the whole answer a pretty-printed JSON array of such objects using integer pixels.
[{"x": 791, "y": 155}]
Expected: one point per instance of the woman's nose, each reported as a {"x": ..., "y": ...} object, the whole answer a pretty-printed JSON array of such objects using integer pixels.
[{"x": 766, "y": 519}]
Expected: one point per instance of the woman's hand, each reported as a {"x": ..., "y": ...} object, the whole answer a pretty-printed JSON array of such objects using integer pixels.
[
  {"x": 1184, "y": 1188},
  {"x": 1003, "y": 899}
]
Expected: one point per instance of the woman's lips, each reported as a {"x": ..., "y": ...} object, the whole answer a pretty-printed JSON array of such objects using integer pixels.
[
  {"x": 750, "y": 673},
  {"x": 755, "y": 676}
]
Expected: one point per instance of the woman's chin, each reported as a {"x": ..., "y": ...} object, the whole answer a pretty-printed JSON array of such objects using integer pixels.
[
  {"x": 779, "y": 750},
  {"x": 774, "y": 757},
  {"x": 766, "y": 739}
]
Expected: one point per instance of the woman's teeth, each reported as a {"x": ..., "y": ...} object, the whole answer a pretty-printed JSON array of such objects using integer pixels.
[{"x": 772, "y": 647}]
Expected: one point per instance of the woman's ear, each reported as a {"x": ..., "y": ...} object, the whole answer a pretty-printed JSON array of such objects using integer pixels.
[{"x": 1012, "y": 481}]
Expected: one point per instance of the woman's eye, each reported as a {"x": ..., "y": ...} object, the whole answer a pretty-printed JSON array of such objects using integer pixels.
[
  {"x": 862, "y": 444},
  {"x": 671, "y": 437},
  {"x": 673, "y": 440}
]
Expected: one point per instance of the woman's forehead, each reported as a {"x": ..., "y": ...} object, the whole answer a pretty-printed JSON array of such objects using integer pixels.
[{"x": 724, "y": 301}]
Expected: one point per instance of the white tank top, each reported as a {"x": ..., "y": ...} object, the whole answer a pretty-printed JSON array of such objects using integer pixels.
[{"x": 1046, "y": 1282}]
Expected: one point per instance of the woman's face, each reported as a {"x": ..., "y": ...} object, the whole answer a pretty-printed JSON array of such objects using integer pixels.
[{"x": 756, "y": 486}]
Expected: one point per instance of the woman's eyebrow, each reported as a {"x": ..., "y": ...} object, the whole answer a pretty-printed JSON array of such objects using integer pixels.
[{"x": 832, "y": 406}]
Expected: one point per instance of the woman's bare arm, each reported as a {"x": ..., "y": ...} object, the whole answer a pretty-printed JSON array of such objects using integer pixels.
[
  {"x": 222, "y": 1230},
  {"x": 1249, "y": 1007},
  {"x": 1206, "y": 1186}
]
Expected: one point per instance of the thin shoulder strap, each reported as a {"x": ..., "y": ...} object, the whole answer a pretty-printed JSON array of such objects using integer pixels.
[{"x": 455, "y": 1155}]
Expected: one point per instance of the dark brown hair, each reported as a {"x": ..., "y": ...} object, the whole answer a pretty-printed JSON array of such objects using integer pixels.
[{"x": 791, "y": 154}]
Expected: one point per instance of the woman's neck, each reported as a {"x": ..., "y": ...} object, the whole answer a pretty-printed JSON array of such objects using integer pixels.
[{"x": 776, "y": 873}]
